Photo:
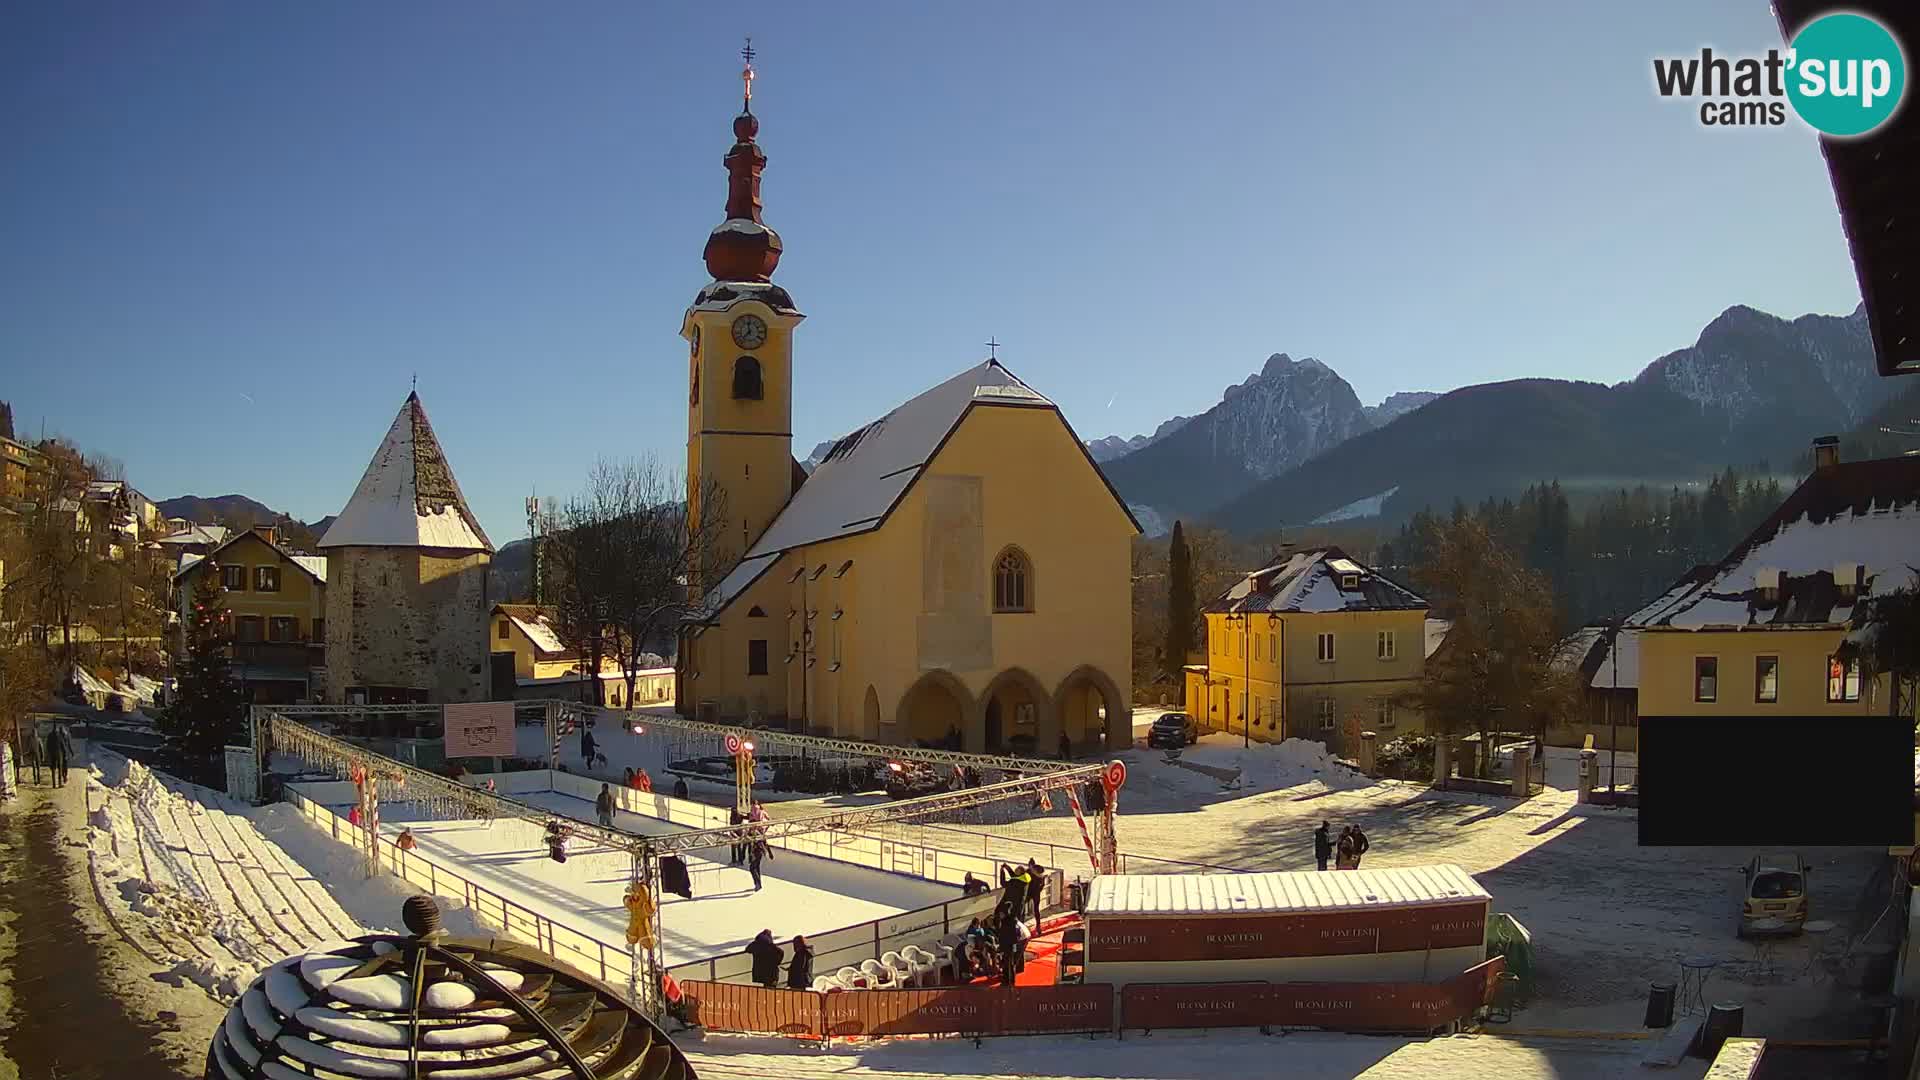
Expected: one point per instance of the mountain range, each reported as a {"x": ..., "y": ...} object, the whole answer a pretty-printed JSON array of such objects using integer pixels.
[{"x": 1292, "y": 444}]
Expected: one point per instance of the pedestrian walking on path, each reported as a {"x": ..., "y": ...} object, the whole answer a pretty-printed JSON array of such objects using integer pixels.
[
  {"x": 1360, "y": 845},
  {"x": 603, "y": 806},
  {"x": 1346, "y": 855},
  {"x": 59, "y": 752},
  {"x": 757, "y": 851},
  {"x": 1323, "y": 844}
]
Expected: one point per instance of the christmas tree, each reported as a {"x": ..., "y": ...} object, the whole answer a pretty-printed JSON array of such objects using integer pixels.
[{"x": 205, "y": 715}]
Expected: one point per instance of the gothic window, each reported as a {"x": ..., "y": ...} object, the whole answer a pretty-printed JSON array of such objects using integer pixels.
[
  {"x": 746, "y": 379},
  {"x": 1012, "y": 581}
]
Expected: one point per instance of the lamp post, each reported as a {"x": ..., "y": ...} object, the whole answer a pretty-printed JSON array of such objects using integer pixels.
[{"x": 1613, "y": 725}]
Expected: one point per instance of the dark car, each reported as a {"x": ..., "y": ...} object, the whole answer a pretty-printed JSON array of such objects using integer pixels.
[{"x": 1173, "y": 730}]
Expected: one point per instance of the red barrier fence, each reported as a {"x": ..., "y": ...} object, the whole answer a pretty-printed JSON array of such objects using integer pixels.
[{"x": 1031, "y": 1010}]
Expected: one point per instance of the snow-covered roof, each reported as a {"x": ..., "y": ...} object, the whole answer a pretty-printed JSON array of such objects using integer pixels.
[
  {"x": 536, "y": 623},
  {"x": 721, "y": 295},
  {"x": 314, "y": 565},
  {"x": 408, "y": 496},
  {"x": 743, "y": 575},
  {"x": 1296, "y": 891},
  {"x": 1309, "y": 581},
  {"x": 1856, "y": 514},
  {"x": 195, "y": 534}
]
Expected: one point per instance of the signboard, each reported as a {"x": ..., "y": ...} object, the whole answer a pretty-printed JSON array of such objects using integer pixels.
[
  {"x": 1278, "y": 936},
  {"x": 1345, "y": 1006},
  {"x": 479, "y": 729}
]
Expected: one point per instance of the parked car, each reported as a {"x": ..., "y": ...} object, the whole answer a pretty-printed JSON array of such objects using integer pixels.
[
  {"x": 1173, "y": 730},
  {"x": 1773, "y": 897}
]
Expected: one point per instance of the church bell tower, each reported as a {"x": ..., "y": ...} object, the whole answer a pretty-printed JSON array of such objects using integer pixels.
[{"x": 739, "y": 334}]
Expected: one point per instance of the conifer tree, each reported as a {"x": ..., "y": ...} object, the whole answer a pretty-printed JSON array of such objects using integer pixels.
[
  {"x": 1181, "y": 613},
  {"x": 207, "y": 707}
]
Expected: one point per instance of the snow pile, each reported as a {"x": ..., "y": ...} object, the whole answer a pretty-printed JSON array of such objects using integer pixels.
[{"x": 1271, "y": 766}]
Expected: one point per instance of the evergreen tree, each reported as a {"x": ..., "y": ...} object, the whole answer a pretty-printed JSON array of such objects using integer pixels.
[
  {"x": 1181, "y": 611},
  {"x": 207, "y": 708}
]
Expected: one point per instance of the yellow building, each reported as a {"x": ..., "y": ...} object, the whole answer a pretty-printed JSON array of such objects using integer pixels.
[
  {"x": 1316, "y": 646},
  {"x": 527, "y": 648},
  {"x": 1759, "y": 633},
  {"x": 277, "y": 600},
  {"x": 955, "y": 571}
]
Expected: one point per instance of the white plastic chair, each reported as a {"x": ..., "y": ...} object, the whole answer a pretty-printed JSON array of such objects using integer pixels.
[
  {"x": 879, "y": 976},
  {"x": 823, "y": 984},
  {"x": 851, "y": 978},
  {"x": 925, "y": 965},
  {"x": 902, "y": 970}
]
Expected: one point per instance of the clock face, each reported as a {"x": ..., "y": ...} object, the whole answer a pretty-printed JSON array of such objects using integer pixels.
[{"x": 749, "y": 332}]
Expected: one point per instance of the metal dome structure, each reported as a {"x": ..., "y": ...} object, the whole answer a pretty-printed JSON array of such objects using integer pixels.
[{"x": 431, "y": 1006}]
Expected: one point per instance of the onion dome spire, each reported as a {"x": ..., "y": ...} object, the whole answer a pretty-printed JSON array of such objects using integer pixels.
[{"x": 742, "y": 248}]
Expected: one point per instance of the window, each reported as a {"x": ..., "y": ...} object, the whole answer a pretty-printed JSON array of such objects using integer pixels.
[
  {"x": 1323, "y": 645},
  {"x": 757, "y": 656},
  {"x": 1706, "y": 678},
  {"x": 1258, "y": 704},
  {"x": 1273, "y": 713},
  {"x": 1349, "y": 582},
  {"x": 1843, "y": 679},
  {"x": 1766, "y": 679},
  {"x": 233, "y": 578},
  {"x": 1012, "y": 581},
  {"x": 320, "y": 630},
  {"x": 501, "y": 633},
  {"x": 746, "y": 379},
  {"x": 1273, "y": 646},
  {"x": 1256, "y": 648},
  {"x": 1383, "y": 645},
  {"x": 247, "y": 628},
  {"x": 1383, "y": 713},
  {"x": 1324, "y": 709},
  {"x": 267, "y": 579},
  {"x": 283, "y": 628}
]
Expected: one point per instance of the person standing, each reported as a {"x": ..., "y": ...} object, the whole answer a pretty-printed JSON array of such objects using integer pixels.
[
  {"x": 679, "y": 788},
  {"x": 1009, "y": 937},
  {"x": 1360, "y": 845},
  {"x": 739, "y": 853},
  {"x": 767, "y": 957},
  {"x": 1345, "y": 857},
  {"x": 603, "y": 806},
  {"x": 59, "y": 751},
  {"x": 587, "y": 747},
  {"x": 1323, "y": 844},
  {"x": 1036, "y": 884},
  {"x": 800, "y": 969},
  {"x": 757, "y": 851},
  {"x": 1066, "y": 747},
  {"x": 1013, "y": 884}
]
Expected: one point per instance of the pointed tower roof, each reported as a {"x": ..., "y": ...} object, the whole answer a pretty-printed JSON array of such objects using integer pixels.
[{"x": 408, "y": 496}]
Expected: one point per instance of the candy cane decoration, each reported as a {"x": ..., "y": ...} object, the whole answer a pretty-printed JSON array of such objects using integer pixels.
[{"x": 1073, "y": 799}]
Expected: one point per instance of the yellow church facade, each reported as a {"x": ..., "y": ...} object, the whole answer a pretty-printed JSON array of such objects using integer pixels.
[{"x": 954, "y": 573}]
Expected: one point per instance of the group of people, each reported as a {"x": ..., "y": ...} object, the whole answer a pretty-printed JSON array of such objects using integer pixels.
[
  {"x": 992, "y": 950},
  {"x": 638, "y": 780},
  {"x": 52, "y": 748},
  {"x": 1345, "y": 851},
  {"x": 754, "y": 850},
  {"x": 768, "y": 956}
]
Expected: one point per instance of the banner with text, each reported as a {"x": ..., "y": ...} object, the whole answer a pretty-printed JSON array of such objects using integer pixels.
[{"x": 479, "y": 729}]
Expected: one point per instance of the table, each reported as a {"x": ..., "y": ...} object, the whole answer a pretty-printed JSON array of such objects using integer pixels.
[{"x": 1695, "y": 971}]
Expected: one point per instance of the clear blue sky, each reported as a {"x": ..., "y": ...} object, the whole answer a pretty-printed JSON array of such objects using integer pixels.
[{"x": 231, "y": 232}]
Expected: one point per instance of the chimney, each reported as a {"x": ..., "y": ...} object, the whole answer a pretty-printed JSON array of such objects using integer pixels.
[
  {"x": 1826, "y": 452},
  {"x": 265, "y": 532}
]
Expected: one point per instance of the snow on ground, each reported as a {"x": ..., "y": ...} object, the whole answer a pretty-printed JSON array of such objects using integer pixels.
[
  {"x": 1178, "y": 1055},
  {"x": 193, "y": 884},
  {"x": 801, "y": 894},
  {"x": 1268, "y": 766}
]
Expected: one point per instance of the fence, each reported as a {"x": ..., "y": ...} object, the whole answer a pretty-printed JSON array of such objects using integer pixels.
[{"x": 1093, "y": 1007}]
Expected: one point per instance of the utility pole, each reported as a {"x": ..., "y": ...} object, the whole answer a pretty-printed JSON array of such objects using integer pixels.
[
  {"x": 1613, "y": 724},
  {"x": 533, "y": 542}
]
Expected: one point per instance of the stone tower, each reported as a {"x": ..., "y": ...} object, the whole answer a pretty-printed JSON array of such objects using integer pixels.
[{"x": 407, "y": 579}]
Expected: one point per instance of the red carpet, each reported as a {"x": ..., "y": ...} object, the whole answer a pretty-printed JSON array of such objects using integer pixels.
[{"x": 1043, "y": 956}]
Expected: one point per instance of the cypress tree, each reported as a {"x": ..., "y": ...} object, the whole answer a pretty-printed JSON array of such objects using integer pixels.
[
  {"x": 1181, "y": 614},
  {"x": 206, "y": 711}
]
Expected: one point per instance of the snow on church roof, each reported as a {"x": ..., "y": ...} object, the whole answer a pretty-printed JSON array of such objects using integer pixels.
[
  {"x": 408, "y": 496},
  {"x": 866, "y": 472}
]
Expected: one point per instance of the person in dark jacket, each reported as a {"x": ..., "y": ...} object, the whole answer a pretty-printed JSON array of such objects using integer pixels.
[
  {"x": 739, "y": 853},
  {"x": 1066, "y": 747},
  {"x": 973, "y": 886},
  {"x": 767, "y": 958},
  {"x": 603, "y": 806},
  {"x": 1013, "y": 883},
  {"x": 800, "y": 970},
  {"x": 587, "y": 747},
  {"x": 1036, "y": 884},
  {"x": 680, "y": 788},
  {"x": 1323, "y": 844},
  {"x": 1360, "y": 845},
  {"x": 1009, "y": 934},
  {"x": 757, "y": 851},
  {"x": 59, "y": 751}
]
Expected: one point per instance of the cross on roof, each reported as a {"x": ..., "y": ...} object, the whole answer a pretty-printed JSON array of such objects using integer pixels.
[
  {"x": 746, "y": 73},
  {"x": 993, "y": 348}
]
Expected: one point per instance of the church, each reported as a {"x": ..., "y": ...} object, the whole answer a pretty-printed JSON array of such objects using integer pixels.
[{"x": 957, "y": 572}]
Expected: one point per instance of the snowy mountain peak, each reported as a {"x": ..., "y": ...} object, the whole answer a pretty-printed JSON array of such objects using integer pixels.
[{"x": 1751, "y": 365}]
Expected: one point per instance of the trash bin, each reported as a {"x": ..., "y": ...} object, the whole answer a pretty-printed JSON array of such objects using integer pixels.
[
  {"x": 1077, "y": 895},
  {"x": 1724, "y": 1022},
  {"x": 1660, "y": 1005}
]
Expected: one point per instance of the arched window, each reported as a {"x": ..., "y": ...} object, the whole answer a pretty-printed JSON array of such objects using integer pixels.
[
  {"x": 1012, "y": 581},
  {"x": 746, "y": 379}
]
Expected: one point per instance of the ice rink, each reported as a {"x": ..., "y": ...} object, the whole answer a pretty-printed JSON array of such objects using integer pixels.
[{"x": 801, "y": 894}]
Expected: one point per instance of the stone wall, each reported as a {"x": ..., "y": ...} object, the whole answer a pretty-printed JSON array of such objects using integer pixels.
[{"x": 407, "y": 617}]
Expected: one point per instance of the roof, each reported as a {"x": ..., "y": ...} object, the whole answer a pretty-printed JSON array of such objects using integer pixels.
[
  {"x": 1308, "y": 582},
  {"x": 1280, "y": 893},
  {"x": 1864, "y": 513},
  {"x": 195, "y": 534},
  {"x": 314, "y": 565},
  {"x": 536, "y": 623},
  {"x": 866, "y": 473},
  {"x": 1436, "y": 633},
  {"x": 408, "y": 496},
  {"x": 1874, "y": 177}
]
